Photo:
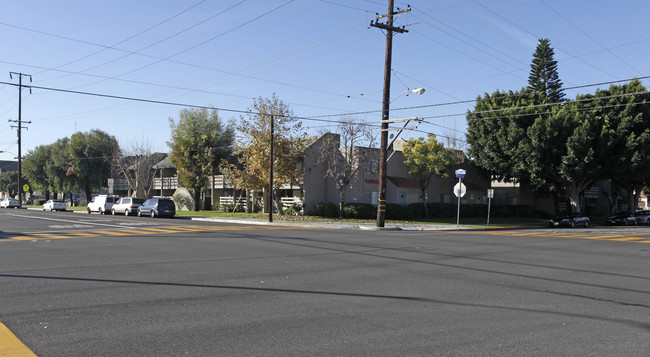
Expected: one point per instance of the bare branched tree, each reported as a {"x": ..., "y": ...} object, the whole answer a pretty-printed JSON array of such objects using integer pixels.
[
  {"x": 135, "y": 164},
  {"x": 344, "y": 159}
]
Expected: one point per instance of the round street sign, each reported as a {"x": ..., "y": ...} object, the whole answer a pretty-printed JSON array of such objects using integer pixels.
[{"x": 460, "y": 189}]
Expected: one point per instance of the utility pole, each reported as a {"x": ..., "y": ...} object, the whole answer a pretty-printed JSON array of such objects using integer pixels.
[
  {"x": 388, "y": 26},
  {"x": 271, "y": 175},
  {"x": 20, "y": 129}
]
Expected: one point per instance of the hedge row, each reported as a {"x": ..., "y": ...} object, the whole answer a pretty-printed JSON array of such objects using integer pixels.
[{"x": 416, "y": 210}]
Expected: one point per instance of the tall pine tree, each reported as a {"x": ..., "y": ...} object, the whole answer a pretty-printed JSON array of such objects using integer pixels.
[{"x": 543, "y": 76}]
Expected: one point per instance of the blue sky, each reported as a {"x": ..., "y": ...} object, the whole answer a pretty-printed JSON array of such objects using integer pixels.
[{"x": 320, "y": 56}]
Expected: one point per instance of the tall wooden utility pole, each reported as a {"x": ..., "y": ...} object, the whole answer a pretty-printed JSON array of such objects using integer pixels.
[
  {"x": 20, "y": 129},
  {"x": 388, "y": 26},
  {"x": 272, "y": 144}
]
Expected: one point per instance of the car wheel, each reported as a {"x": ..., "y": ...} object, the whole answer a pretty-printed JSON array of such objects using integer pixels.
[
  {"x": 586, "y": 224},
  {"x": 101, "y": 211},
  {"x": 153, "y": 214},
  {"x": 139, "y": 213},
  {"x": 126, "y": 212},
  {"x": 112, "y": 211},
  {"x": 626, "y": 222},
  {"x": 88, "y": 210},
  {"x": 573, "y": 224}
]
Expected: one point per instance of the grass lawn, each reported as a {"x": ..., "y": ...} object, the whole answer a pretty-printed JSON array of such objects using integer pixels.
[{"x": 477, "y": 222}]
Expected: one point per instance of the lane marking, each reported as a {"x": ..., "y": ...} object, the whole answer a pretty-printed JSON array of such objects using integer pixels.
[
  {"x": 10, "y": 345},
  {"x": 125, "y": 232}
]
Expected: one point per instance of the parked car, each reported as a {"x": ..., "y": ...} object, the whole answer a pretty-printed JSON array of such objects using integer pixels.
[
  {"x": 570, "y": 220},
  {"x": 127, "y": 205},
  {"x": 53, "y": 205},
  {"x": 642, "y": 217},
  {"x": 9, "y": 203},
  {"x": 157, "y": 207},
  {"x": 622, "y": 218},
  {"x": 101, "y": 204}
]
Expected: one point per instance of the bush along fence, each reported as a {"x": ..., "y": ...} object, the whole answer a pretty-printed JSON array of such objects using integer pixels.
[{"x": 415, "y": 211}]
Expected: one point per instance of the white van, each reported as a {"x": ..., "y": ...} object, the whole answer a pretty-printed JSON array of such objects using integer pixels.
[{"x": 101, "y": 204}]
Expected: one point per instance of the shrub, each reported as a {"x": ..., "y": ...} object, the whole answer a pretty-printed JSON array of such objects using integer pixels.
[
  {"x": 397, "y": 211},
  {"x": 181, "y": 201},
  {"x": 359, "y": 210},
  {"x": 416, "y": 210},
  {"x": 327, "y": 209},
  {"x": 294, "y": 210}
]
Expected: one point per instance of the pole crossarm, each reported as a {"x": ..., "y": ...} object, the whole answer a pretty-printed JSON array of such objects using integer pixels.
[{"x": 401, "y": 120}]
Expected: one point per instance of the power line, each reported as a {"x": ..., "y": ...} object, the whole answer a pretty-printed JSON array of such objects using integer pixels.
[{"x": 322, "y": 118}]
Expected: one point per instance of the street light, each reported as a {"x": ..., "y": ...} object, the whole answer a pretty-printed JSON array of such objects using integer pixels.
[
  {"x": 383, "y": 172},
  {"x": 419, "y": 91}
]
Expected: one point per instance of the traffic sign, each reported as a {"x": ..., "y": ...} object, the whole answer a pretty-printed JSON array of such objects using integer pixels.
[
  {"x": 490, "y": 193},
  {"x": 460, "y": 189},
  {"x": 460, "y": 173},
  {"x": 25, "y": 187}
]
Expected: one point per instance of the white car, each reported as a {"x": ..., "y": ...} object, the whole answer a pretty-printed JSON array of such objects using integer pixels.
[
  {"x": 101, "y": 204},
  {"x": 9, "y": 203},
  {"x": 53, "y": 205},
  {"x": 127, "y": 205}
]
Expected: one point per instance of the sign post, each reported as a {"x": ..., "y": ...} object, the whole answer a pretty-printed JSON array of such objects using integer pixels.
[
  {"x": 490, "y": 194},
  {"x": 459, "y": 191}
]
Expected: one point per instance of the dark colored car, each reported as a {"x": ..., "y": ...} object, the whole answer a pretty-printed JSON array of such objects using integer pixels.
[
  {"x": 622, "y": 218},
  {"x": 162, "y": 207},
  {"x": 570, "y": 220},
  {"x": 642, "y": 217}
]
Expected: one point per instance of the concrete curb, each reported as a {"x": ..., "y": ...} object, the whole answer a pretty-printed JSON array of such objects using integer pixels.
[{"x": 334, "y": 225}]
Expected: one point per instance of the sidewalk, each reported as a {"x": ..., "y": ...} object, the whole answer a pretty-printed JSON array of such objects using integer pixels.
[{"x": 347, "y": 225}]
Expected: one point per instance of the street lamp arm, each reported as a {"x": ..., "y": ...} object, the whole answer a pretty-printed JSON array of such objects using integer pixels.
[{"x": 409, "y": 91}]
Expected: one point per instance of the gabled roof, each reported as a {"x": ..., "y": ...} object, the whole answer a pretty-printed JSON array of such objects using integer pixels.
[
  {"x": 165, "y": 163},
  {"x": 402, "y": 182}
]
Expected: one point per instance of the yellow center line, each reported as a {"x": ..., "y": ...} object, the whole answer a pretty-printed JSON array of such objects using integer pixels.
[{"x": 10, "y": 345}]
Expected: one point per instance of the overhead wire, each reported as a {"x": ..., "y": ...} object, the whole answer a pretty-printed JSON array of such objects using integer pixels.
[
  {"x": 113, "y": 46},
  {"x": 590, "y": 37}
]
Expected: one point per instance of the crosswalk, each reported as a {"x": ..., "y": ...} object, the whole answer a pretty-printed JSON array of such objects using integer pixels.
[
  {"x": 127, "y": 232},
  {"x": 636, "y": 237}
]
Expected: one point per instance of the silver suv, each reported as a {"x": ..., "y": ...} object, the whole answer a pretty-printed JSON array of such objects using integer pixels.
[{"x": 101, "y": 204}]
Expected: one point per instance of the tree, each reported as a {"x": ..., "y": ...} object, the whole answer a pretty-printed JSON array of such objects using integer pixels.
[
  {"x": 199, "y": 142},
  {"x": 9, "y": 182},
  {"x": 564, "y": 150},
  {"x": 426, "y": 158},
  {"x": 544, "y": 76},
  {"x": 34, "y": 165},
  {"x": 253, "y": 167},
  {"x": 344, "y": 158},
  {"x": 135, "y": 164},
  {"x": 89, "y": 156},
  {"x": 497, "y": 133},
  {"x": 626, "y": 136}
]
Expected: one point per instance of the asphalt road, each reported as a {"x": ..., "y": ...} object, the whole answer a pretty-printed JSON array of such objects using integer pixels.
[{"x": 80, "y": 285}]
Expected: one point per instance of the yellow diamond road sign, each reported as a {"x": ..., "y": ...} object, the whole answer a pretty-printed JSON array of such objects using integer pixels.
[{"x": 26, "y": 187}]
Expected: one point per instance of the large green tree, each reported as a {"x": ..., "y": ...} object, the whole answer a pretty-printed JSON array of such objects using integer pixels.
[
  {"x": 34, "y": 165},
  {"x": 544, "y": 77},
  {"x": 89, "y": 156},
  {"x": 200, "y": 141},
  {"x": 497, "y": 131},
  {"x": 625, "y": 114},
  {"x": 564, "y": 151},
  {"x": 425, "y": 158}
]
